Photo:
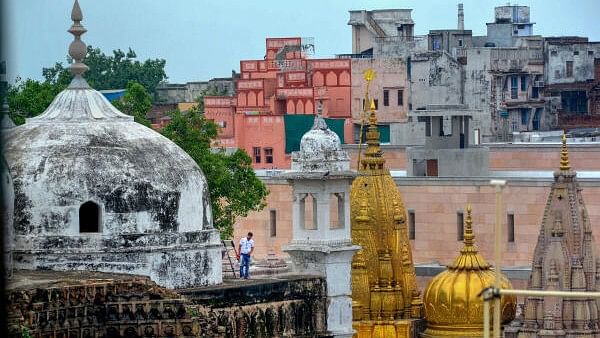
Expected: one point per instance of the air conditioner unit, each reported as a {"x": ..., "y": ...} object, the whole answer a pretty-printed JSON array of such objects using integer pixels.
[{"x": 538, "y": 84}]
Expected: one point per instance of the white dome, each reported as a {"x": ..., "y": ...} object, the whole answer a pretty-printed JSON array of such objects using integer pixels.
[
  {"x": 83, "y": 161},
  {"x": 320, "y": 150}
]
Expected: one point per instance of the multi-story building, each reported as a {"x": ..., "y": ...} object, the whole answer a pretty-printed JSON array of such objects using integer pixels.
[
  {"x": 572, "y": 77},
  {"x": 276, "y": 98}
]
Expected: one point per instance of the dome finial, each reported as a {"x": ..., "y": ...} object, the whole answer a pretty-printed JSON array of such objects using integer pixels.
[
  {"x": 77, "y": 49},
  {"x": 319, "y": 121},
  {"x": 469, "y": 238},
  {"x": 564, "y": 154}
]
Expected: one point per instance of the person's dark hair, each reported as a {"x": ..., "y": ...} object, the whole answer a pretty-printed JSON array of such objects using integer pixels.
[{"x": 250, "y": 234}]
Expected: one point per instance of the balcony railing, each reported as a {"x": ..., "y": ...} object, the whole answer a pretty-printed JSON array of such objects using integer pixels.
[
  {"x": 400, "y": 39},
  {"x": 354, "y": 56}
]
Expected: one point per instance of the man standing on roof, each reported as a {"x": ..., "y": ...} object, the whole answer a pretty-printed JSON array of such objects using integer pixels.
[{"x": 246, "y": 248}]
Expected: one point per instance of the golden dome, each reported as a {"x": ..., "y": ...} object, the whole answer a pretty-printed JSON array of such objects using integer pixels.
[{"x": 453, "y": 306}]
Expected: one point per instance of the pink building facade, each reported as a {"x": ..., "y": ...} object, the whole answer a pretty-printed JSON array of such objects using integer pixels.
[{"x": 285, "y": 82}]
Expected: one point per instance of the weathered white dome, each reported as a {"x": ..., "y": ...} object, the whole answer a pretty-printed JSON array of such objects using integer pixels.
[
  {"x": 320, "y": 150},
  {"x": 83, "y": 149},
  {"x": 95, "y": 190}
]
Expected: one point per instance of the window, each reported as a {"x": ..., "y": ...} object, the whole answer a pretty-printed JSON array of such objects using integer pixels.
[
  {"x": 376, "y": 104},
  {"x": 576, "y": 52},
  {"x": 460, "y": 43},
  {"x": 436, "y": 43},
  {"x": 269, "y": 155},
  {"x": 510, "y": 225},
  {"x": 400, "y": 97},
  {"x": 411, "y": 224},
  {"x": 525, "y": 116},
  {"x": 590, "y": 53},
  {"x": 535, "y": 93},
  {"x": 273, "y": 222},
  {"x": 569, "y": 68},
  {"x": 574, "y": 101},
  {"x": 514, "y": 80},
  {"x": 337, "y": 213},
  {"x": 460, "y": 229},
  {"x": 89, "y": 217},
  {"x": 308, "y": 212},
  {"x": 256, "y": 152},
  {"x": 386, "y": 98},
  {"x": 523, "y": 83}
]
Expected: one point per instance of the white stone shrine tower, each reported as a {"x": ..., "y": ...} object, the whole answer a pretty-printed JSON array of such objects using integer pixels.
[{"x": 321, "y": 242}]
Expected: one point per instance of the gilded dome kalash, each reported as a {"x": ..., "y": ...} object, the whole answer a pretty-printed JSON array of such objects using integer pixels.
[{"x": 453, "y": 305}]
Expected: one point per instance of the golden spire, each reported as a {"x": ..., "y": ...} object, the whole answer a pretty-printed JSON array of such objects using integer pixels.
[
  {"x": 564, "y": 154},
  {"x": 457, "y": 290},
  {"x": 469, "y": 258}
]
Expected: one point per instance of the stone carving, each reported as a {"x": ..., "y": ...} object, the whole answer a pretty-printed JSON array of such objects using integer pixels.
[
  {"x": 137, "y": 307},
  {"x": 565, "y": 259}
]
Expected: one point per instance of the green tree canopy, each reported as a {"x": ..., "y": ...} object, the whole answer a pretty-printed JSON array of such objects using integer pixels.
[
  {"x": 234, "y": 188},
  {"x": 30, "y": 98},
  {"x": 135, "y": 102},
  {"x": 112, "y": 71}
]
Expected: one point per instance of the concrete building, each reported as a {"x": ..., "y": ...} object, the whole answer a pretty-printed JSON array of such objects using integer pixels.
[
  {"x": 371, "y": 28},
  {"x": 572, "y": 78},
  {"x": 435, "y": 205},
  {"x": 174, "y": 93},
  {"x": 275, "y": 101},
  {"x": 510, "y": 23},
  {"x": 448, "y": 151}
]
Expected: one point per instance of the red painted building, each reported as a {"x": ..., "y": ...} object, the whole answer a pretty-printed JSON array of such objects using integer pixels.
[{"x": 269, "y": 91}]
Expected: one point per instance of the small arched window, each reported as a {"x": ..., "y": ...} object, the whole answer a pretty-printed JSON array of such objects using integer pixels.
[{"x": 89, "y": 217}]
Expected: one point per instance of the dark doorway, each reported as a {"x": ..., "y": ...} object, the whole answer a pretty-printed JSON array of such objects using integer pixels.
[
  {"x": 89, "y": 217},
  {"x": 432, "y": 168}
]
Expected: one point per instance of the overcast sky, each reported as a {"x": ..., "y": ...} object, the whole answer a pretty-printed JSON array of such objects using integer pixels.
[{"x": 201, "y": 39}]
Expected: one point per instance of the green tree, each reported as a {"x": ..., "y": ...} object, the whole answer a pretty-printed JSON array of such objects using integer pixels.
[
  {"x": 234, "y": 188},
  {"x": 135, "y": 102},
  {"x": 30, "y": 98},
  {"x": 112, "y": 71}
]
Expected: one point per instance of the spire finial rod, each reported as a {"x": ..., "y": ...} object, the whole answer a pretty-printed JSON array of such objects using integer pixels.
[
  {"x": 469, "y": 238},
  {"x": 77, "y": 49},
  {"x": 564, "y": 154}
]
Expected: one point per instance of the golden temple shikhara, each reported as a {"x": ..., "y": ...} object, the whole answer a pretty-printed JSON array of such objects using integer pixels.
[
  {"x": 385, "y": 298},
  {"x": 453, "y": 305}
]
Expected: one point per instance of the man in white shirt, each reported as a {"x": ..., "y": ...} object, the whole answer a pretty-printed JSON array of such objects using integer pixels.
[{"x": 246, "y": 248}]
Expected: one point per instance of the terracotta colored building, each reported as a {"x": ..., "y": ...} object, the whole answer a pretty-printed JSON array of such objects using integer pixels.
[
  {"x": 265, "y": 117},
  {"x": 436, "y": 205}
]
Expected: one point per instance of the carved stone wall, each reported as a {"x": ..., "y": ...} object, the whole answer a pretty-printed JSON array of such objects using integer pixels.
[{"x": 96, "y": 305}]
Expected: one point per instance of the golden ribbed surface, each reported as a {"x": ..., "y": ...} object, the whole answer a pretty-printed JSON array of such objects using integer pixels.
[
  {"x": 384, "y": 288},
  {"x": 453, "y": 307}
]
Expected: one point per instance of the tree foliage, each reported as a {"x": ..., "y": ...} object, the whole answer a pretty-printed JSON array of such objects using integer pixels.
[
  {"x": 234, "y": 188},
  {"x": 135, "y": 102},
  {"x": 112, "y": 71},
  {"x": 30, "y": 98}
]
